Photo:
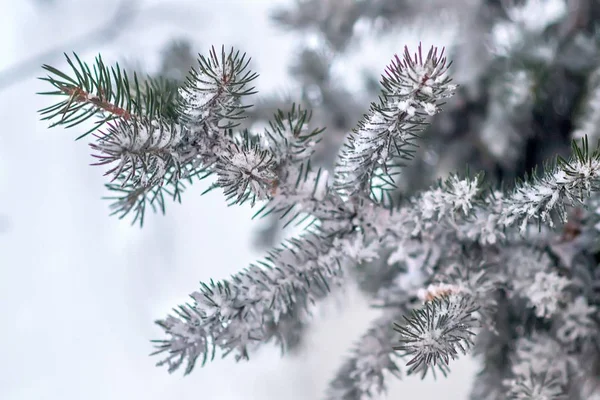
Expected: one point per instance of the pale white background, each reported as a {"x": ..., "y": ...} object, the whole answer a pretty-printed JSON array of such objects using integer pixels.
[{"x": 79, "y": 290}]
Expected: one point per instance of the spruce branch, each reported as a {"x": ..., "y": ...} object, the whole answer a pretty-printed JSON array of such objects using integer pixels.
[
  {"x": 165, "y": 96},
  {"x": 305, "y": 197},
  {"x": 413, "y": 88},
  {"x": 449, "y": 204},
  {"x": 289, "y": 137},
  {"x": 567, "y": 183},
  {"x": 484, "y": 227},
  {"x": 300, "y": 191},
  {"x": 239, "y": 314},
  {"x": 160, "y": 136},
  {"x": 96, "y": 91},
  {"x": 434, "y": 334},
  {"x": 546, "y": 293},
  {"x": 159, "y": 133},
  {"x": 271, "y": 165},
  {"x": 468, "y": 276},
  {"x": 211, "y": 95},
  {"x": 474, "y": 212},
  {"x": 144, "y": 151},
  {"x": 245, "y": 171}
]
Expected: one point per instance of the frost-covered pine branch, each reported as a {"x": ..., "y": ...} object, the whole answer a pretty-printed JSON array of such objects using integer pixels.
[
  {"x": 413, "y": 87},
  {"x": 567, "y": 184},
  {"x": 232, "y": 314},
  {"x": 151, "y": 147},
  {"x": 438, "y": 332}
]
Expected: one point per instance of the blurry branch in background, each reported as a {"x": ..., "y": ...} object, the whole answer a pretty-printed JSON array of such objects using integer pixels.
[
  {"x": 336, "y": 20},
  {"x": 122, "y": 20},
  {"x": 109, "y": 31}
]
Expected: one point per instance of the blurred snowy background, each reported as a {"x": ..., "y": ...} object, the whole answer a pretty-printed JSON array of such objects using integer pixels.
[{"x": 78, "y": 290}]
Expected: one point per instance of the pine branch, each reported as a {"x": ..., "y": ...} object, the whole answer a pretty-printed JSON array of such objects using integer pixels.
[
  {"x": 567, "y": 183},
  {"x": 435, "y": 334},
  {"x": 444, "y": 208},
  {"x": 239, "y": 314},
  {"x": 271, "y": 165},
  {"x": 161, "y": 136},
  {"x": 412, "y": 90},
  {"x": 144, "y": 151},
  {"x": 211, "y": 94},
  {"x": 159, "y": 133},
  {"x": 96, "y": 91}
]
